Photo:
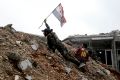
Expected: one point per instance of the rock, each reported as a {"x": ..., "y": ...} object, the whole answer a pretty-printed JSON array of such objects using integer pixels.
[
  {"x": 25, "y": 64},
  {"x": 34, "y": 47},
  {"x": 67, "y": 69},
  {"x": 16, "y": 77},
  {"x": 101, "y": 72},
  {"x": 10, "y": 28},
  {"x": 2, "y": 40},
  {"x": 28, "y": 77},
  {"x": 106, "y": 71},
  {"x": 49, "y": 58},
  {"x": 13, "y": 57},
  {"x": 83, "y": 78},
  {"x": 18, "y": 43}
]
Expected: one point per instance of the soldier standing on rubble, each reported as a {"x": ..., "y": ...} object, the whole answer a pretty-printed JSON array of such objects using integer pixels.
[
  {"x": 82, "y": 54},
  {"x": 54, "y": 43}
]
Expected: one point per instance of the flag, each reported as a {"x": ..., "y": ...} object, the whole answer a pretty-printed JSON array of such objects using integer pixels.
[{"x": 59, "y": 14}]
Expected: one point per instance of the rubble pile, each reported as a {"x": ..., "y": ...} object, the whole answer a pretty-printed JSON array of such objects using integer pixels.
[{"x": 26, "y": 57}]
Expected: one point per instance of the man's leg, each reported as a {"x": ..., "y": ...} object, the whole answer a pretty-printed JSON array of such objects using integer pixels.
[{"x": 70, "y": 58}]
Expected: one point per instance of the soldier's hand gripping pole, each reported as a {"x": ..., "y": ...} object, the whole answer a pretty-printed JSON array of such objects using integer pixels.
[{"x": 47, "y": 26}]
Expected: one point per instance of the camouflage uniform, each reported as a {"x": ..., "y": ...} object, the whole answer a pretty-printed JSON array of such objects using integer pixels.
[{"x": 54, "y": 43}]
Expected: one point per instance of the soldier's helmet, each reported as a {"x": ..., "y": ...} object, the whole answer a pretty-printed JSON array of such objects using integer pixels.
[{"x": 47, "y": 31}]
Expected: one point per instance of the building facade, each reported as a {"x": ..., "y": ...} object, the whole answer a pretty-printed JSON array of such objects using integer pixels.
[{"x": 106, "y": 45}]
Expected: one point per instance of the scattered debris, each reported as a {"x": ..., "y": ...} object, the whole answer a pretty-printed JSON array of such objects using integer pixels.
[
  {"x": 83, "y": 78},
  {"x": 25, "y": 64},
  {"x": 34, "y": 47},
  {"x": 28, "y": 77},
  {"x": 13, "y": 57},
  {"x": 16, "y": 77},
  {"x": 16, "y": 52},
  {"x": 67, "y": 69}
]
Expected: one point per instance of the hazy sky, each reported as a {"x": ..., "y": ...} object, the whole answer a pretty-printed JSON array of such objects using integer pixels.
[{"x": 83, "y": 16}]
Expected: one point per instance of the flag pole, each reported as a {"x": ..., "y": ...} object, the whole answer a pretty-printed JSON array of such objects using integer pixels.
[
  {"x": 48, "y": 16},
  {"x": 45, "y": 18}
]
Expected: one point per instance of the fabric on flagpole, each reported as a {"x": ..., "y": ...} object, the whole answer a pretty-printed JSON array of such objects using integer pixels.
[{"x": 59, "y": 14}]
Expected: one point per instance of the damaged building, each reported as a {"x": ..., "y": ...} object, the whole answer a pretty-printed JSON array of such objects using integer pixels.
[{"x": 105, "y": 45}]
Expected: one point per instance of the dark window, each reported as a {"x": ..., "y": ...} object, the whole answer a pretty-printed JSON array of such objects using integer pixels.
[
  {"x": 119, "y": 65},
  {"x": 118, "y": 52},
  {"x": 101, "y": 54},
  {"x": 108, "y": 56}
]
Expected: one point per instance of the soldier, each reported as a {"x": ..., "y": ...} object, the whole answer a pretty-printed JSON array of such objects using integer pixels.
[
  {"x": 54, "y": 43},
  {"x": 82, "y": 54}
]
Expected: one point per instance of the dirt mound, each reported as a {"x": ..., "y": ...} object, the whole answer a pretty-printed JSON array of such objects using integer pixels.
[{"x": 26, "y": 56}]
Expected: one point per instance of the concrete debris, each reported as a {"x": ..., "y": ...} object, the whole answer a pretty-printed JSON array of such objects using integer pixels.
[
  {"x": 100, "y": 72},
  {"x": 83, "y": 78},
  {"x": 49, "y": 58},
  {"x": 26, "y": 57},
  {"x": 16, "y": 77},
  {"x": 13, "y": 57},
  {"x": 28, "y": 77},
  {"x": 2, "y": 40},
  {"x": 34, "y": 47},
  {"x": 67, "y": 69},
  {"x": 25, "y": 64},
  {"x": 81, "y": 65},
  {"x": 10, "y": 28},
  {"x": 106, "y": 71},
  {"x": 18, "y": 42}
]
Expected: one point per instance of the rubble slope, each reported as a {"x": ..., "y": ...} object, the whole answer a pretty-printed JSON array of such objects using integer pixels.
[{"x": 46, "y": 64}]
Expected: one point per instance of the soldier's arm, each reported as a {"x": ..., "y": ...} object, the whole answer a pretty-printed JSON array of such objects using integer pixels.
[{"x": 47, "y": 26}]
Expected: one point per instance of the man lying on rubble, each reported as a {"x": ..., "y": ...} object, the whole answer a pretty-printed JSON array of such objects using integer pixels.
[
  {"x": 82, "y": 54},
  {"x": 54, "y": 43}
]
